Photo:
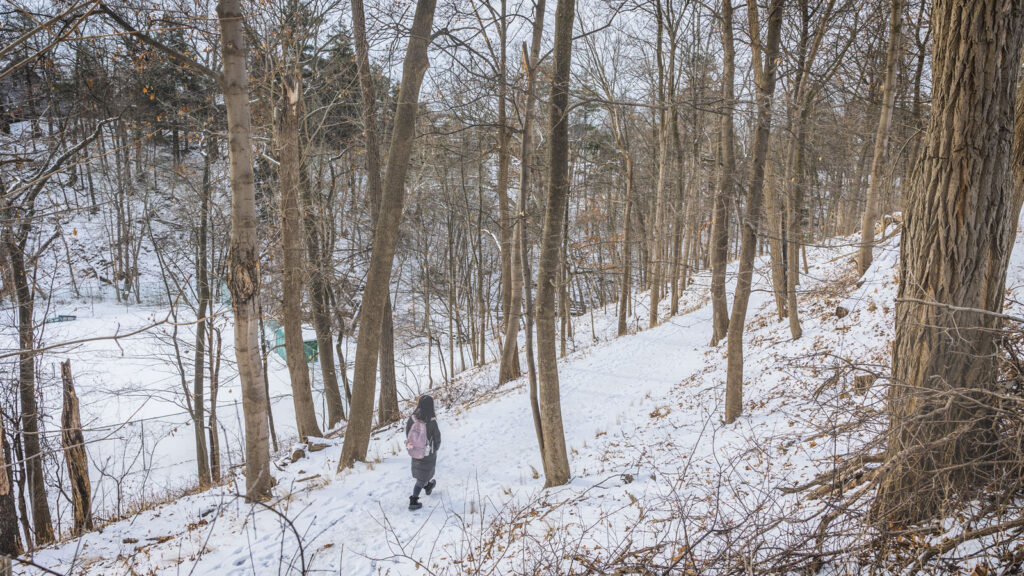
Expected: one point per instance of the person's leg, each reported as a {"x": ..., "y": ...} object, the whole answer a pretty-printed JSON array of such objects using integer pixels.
[{"x": 414, "y": 500}]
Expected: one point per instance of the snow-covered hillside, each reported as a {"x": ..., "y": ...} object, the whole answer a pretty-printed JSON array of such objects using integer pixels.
[
  {"x": 658, "y": 479},
  {"x": 138, "y": 432}
]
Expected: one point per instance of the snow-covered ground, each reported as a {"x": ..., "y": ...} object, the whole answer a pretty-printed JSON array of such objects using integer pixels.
[
  {"x": 656, "y": 476},
  {"x": 642, "y": 419},
  {"x": 139, "y": 435}
]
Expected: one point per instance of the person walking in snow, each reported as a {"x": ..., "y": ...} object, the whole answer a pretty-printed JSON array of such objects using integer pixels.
[{"x": 422, "y": 439}]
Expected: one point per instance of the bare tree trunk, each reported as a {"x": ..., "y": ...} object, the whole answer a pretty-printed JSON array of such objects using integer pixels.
[
  {"x": 921, "y": 46},
  {"x": 556, "y": 460},
  {"x": 563, "y": 282},
  {"x": 720, "y": 216},
  {"x": 693, "y": 231},
  {"x": 318, "y": 220},
  {"x": 266, "y": 388},
  {"x": 807, "y": 51},
  {"x": 388, "y": 409},
  {"x": 521, "y": 269},
  {"x": 662, "y": 131},
  {"x": 678, "y": 221},
  {"x": 215, "y": 358},
  {"x": 452, "y": 299},
  {"x": 481, "y": 304},
  {"x": 626, "y": 247},
  {"x": 25, "y": 515},
  {"x": 765, "y": 67},
  {"x": 526, "y": 158},
  {"x": 509, "y": 367},
  {"x": 74, "y": 454},
  {"x": 945, "y": 353},
  {"x": 10, "y": 543},
  {"x": 378, "y": 278},
  {"x": 776, "y": 245},
  {"x": 291, "y": 248},
  {"x": 203, "y": 289},
  {"x": 867, "y": 225},
  {"x": 41, "y": 523},
  {"x": 319, "y": 259},
  {"x": 243, "y": 256},
  {"x": 794, "y": 216}
]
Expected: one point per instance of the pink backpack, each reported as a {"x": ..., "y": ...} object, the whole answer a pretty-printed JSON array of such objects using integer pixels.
[{"x": 416, "y": 443}]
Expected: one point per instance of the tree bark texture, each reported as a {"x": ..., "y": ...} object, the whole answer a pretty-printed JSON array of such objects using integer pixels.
[
  {"x": 10, "y": 543},
  {"x": 203, "y": 293},
  {"x": 243, "y": 252},
  {"x": 388, "y": 406},
  {"x": 509, "y": 368},
  {"x": 319, "y": 296},
  {"x": 520, "y": 302},
  {"x": 292, "y": 282},
  {"x": 555, "y": 457},
  {"x": 961, "y": 215},
  {"x": 776, "y": 245},
  {"x": 627, "y": 247},
  {"x": 74, "y": 454},
  {"x": 727, "y": 171},
  {"x": 765, "y": 68},
  {"x": 378, "y": 278},
  {"x": 41, "y": 523},
  {"x": 867, "y": 226}
]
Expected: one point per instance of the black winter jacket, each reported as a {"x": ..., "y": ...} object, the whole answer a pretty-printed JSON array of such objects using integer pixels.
[{"x": 423, "y": 468}]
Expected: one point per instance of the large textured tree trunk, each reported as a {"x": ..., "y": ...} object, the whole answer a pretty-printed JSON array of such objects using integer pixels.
[
  {"x": 243, "y": 256},
  {"x": 289, "y": 175},
  {"x": 378, "y": 278},
  {"x": 765, "y": 66},
  {"x": 10, "y": 544},
  {"x": 388, "y": 409},
  {"x": 1018, "y": 159},
  {"x": 74, "y": 454},
  {"x": 556, "y": 460},
  {"x": 41, "y": 523},
  {"x": 961, "y": 213},
  {"x": 720, "y": 216},
  {"x": 867, "y": 225}
]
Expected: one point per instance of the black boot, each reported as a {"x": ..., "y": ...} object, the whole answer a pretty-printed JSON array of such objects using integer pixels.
[
  {"x": 430, "y": 487},
  {"x": 414, "y": 503}
]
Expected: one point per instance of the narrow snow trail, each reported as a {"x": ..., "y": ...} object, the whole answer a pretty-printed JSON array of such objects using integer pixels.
[
  {"x": 649, "y": 454},
  {"x": 358, "y": 521},
  {"x": 491, "y": 451}
]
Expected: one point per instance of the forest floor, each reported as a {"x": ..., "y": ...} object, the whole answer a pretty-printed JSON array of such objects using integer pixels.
[{"x": 657, "y": 478}]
